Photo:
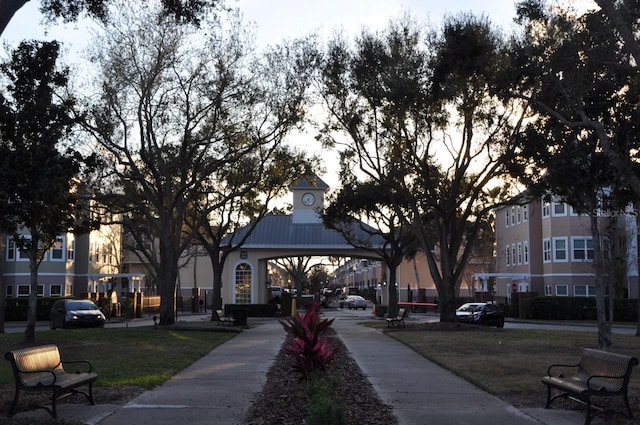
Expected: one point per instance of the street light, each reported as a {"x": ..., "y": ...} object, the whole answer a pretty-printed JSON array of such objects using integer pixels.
[{"x": 355, "y": 269}]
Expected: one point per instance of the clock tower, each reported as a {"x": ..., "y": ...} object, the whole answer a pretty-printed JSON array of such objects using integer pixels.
[{"x": 308, "y": 200}]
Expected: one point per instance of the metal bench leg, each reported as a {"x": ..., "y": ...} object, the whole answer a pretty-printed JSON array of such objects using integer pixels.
[
  {"x": 549, "y": 399},
  {"x": 54, "y": 412},
  {"x": 589, "y": 417},
  {"x": 626, "y": 403},
  {"x": 90, "y": 397},
  {"x": 14, "y": 404}
]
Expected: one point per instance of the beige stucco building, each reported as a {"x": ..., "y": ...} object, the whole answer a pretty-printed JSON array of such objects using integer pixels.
[{"x": 545, "y": 247}]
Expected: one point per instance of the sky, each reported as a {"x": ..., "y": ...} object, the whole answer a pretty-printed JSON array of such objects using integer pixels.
[{"x": 275, "y": 20}]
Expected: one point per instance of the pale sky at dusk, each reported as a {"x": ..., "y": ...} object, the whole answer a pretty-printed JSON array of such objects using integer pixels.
[{"x": 276, "y": 20}]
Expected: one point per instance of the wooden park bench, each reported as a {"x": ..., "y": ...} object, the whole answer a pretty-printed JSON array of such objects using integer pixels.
[
  {"x": 399, "y": 319},
  {"x": 40, "y": 369},
  {"x": 598, "y": 374},
  {"x": 224, "y": 320}
]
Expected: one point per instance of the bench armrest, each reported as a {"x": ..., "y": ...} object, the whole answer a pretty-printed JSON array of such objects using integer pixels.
[
  {"x": 86, "y": 363},
  {"x": 553, "y": 366}
]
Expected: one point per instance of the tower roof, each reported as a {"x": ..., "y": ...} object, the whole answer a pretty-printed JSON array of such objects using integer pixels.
[{"x": 312, "y": 182}]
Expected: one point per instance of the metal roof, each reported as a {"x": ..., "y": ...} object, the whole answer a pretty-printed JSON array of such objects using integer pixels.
[
  {"x": 310, "y": 183},
  {"x": 279, "y": 232}
]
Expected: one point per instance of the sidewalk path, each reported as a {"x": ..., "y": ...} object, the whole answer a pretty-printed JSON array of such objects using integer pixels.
[
  {"x": 422, "y": 392},
  {"x": 218, "y": 389},
  {"x": 215, "y": 390}
]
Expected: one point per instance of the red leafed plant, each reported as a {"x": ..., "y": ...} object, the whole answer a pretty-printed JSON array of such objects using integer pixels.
[{"x": 309, "y": 349}]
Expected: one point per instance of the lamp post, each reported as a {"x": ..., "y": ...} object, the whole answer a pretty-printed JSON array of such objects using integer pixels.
[{"x": 355, "y": 269}]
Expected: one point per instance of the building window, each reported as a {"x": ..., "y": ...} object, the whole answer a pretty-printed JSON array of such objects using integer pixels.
[
  {"x": 546, "y": 209},
  {"x": 23, "y": 290},
  {"x": 584, "y": 291},
  {"x": 71, "y": 250},
  {"x": 562, "y": 290},
  {"x": 513, "y": 216},
  {"x": 548, "y": 290},
  {"x": 55, "y": 290},
  {"x": 11, "y": 250},
  {"x": 525, "y": 250},
  {"x": 513, "y": 254},
  {"x": 519, "y": 253},
  {"x": 508, "y": 255},
  {"x": 57, "y": 250},
  {"x": 546, "y": 250},
  {"x": 518, "y": 214},
  {"x": 507, "y": 218},
  {"x": 525, "y": 213},
  {"x": 559, "y": 209},
  {"x": 560, "y": 250},
  {"x": 9, "y": 291},
  {"x": 243, "y": 284},
  {"x": 41, "y": 290},
  {"x": 23, "y": 255},
  {"x": 582, "y": 249}
]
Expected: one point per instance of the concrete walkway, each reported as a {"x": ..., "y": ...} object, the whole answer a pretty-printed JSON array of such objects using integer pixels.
[
  {"x": 422, "y": 392},
  {"x": 218, "y": 388}
]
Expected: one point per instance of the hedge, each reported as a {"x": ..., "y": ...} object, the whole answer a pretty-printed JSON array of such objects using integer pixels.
[{"x": 579, "y": 308}]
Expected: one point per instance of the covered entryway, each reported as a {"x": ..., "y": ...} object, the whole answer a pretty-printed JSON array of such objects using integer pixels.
[{"x": 300, "y": 234}]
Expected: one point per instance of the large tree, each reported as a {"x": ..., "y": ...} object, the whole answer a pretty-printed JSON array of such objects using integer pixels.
[
  {"x": 40, "y": 198},
  {"x": 178, "y": 107},
  {"x": 579, "y": 71},
  {"x": 71, "y": 10},
  {"x": 582, "y": 71},
  {"x": 427, "y": 122}
]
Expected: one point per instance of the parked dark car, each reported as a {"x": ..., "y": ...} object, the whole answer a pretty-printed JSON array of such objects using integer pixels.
[
  {"x": 487, "y": 314},
  {"x": 70, "y": 313}
]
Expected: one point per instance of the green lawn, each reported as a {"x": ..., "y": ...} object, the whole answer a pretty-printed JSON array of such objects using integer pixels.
[
  {"x": 143, "y": 357},
  {"x": 505, "y": 360}
]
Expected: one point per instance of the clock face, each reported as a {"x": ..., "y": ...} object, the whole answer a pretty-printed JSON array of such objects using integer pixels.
[{"x": 308, "y": 199}]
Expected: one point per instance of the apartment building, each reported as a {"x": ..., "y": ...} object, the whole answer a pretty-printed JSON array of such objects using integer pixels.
[
  {"x": 546, "y": 247},
  {"x": 75, "y": 266}
]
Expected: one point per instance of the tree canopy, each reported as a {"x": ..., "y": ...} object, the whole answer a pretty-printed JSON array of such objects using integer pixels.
[
  {"x": 427, "y": 122},
  {"x": 41, "y": 198},
  {"x": 183, "y": 116},
  {"x": 70, "y": 10}
]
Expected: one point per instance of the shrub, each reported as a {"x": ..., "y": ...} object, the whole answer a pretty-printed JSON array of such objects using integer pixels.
[{"x": 309, "y": 349}]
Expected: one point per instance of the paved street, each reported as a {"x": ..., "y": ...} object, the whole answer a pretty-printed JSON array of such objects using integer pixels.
[{"x": 629, "y": 329}]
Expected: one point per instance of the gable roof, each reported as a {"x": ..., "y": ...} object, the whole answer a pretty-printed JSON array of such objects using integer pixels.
[{"x": 277, "y": 231}]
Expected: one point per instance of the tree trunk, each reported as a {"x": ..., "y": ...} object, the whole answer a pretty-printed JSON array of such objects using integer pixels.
[
  {"x": 447, "y": 301},
  {"x": 3, "y": 293},
  {"x": 604, "y": 327},
  {"x": 392, "y": 309},
  {"x": 167, "y": 283},
  {"x": 32, "y": 310},
  {"x": 217, "y": 287},
  {"x": 167, "y": 276}
]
